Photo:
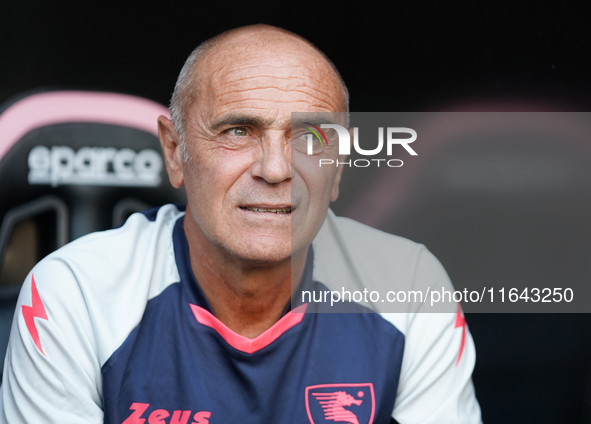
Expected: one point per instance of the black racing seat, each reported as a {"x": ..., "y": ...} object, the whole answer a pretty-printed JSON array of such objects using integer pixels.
[{"x": 72, "y": 162}]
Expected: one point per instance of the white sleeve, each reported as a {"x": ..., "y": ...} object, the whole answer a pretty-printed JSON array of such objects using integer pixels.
[
  {"x": 51, "y": 372},
  {"x": 436, "y": 376},
  {"x": 435, "y": 384}
]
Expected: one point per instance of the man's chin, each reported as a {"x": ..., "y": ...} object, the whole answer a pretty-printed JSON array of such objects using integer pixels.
[{"x": 259, "y": 252}]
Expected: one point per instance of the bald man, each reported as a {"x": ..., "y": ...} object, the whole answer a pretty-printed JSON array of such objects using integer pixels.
[{"x": 184, "y": 316}]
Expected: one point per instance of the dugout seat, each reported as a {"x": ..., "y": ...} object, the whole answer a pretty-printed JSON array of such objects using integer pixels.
[{"x": 72, "y": 162}]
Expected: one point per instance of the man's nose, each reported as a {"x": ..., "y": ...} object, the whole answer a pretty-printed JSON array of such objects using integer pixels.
[{"x": 274, "y": 160}]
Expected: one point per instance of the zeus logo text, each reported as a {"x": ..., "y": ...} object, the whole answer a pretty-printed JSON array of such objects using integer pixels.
[
  {"x": 161, "y": 416},
  {"x": 345, "y": 140}
]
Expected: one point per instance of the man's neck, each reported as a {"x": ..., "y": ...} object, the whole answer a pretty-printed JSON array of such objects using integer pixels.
[{"x": 248, "y": 298}]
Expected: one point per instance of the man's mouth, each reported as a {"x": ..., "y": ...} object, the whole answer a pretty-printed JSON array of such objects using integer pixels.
[{"x": 268, "y": 210}]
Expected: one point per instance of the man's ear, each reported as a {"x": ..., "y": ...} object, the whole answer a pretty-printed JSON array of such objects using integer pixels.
[{"x": 171, "y": 148}]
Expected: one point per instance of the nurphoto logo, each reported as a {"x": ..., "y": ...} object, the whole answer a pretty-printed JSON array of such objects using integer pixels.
[{"x": 316, "y": 135}]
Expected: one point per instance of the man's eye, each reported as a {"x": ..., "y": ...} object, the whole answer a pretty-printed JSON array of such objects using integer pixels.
[
  {"x": 307, "y": 143},
  {"x": 238, "y": 131}
]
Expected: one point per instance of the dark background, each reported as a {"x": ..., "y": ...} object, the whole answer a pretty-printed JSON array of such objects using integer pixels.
[{"x": 394, "y": 56}]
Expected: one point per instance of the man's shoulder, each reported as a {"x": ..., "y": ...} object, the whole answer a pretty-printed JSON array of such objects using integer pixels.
[
  {"x": 353, "y": 256},
  {"x": 356, "y": 232},
  {"x": 101, "y": 283},
  {"x": 346, "y": 238}
]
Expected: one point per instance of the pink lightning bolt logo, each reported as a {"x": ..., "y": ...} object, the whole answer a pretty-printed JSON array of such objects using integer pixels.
[
  {"x": 460, "y": 323},
  {"x": 35, "y": 310}
]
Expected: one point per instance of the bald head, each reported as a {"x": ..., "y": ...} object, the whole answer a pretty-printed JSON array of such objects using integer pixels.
[{"x": 246, "y": 47}]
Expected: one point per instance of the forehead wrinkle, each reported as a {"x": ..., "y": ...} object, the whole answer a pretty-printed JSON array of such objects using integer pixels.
[
  {"x": 248, "y": 118},
  {"x": 320, "y": 104},
  {"x": 226, "y": 62},
  {"x": 269, "y": 87},
  {"x": 322, "y": 94},
  {"x": 319, "y": 101},
  {"x": 254, "y": 77},
  {"x": 235, "y": 118},
  {"x": 282, "y": 72},
  {"x": 309, "y": 92},
  {"x": 316, "y": 74},
  {"x": 257, "y": 64},
  {"x": 320, "y": 75},
  {"x": 235, "y": 77},
  {"x": 300, "y": 88},
  {"x": 283, "y": 83}
]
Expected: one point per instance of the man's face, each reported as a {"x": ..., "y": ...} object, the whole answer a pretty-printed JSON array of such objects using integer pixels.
[{"x": 243, "y": 193}]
